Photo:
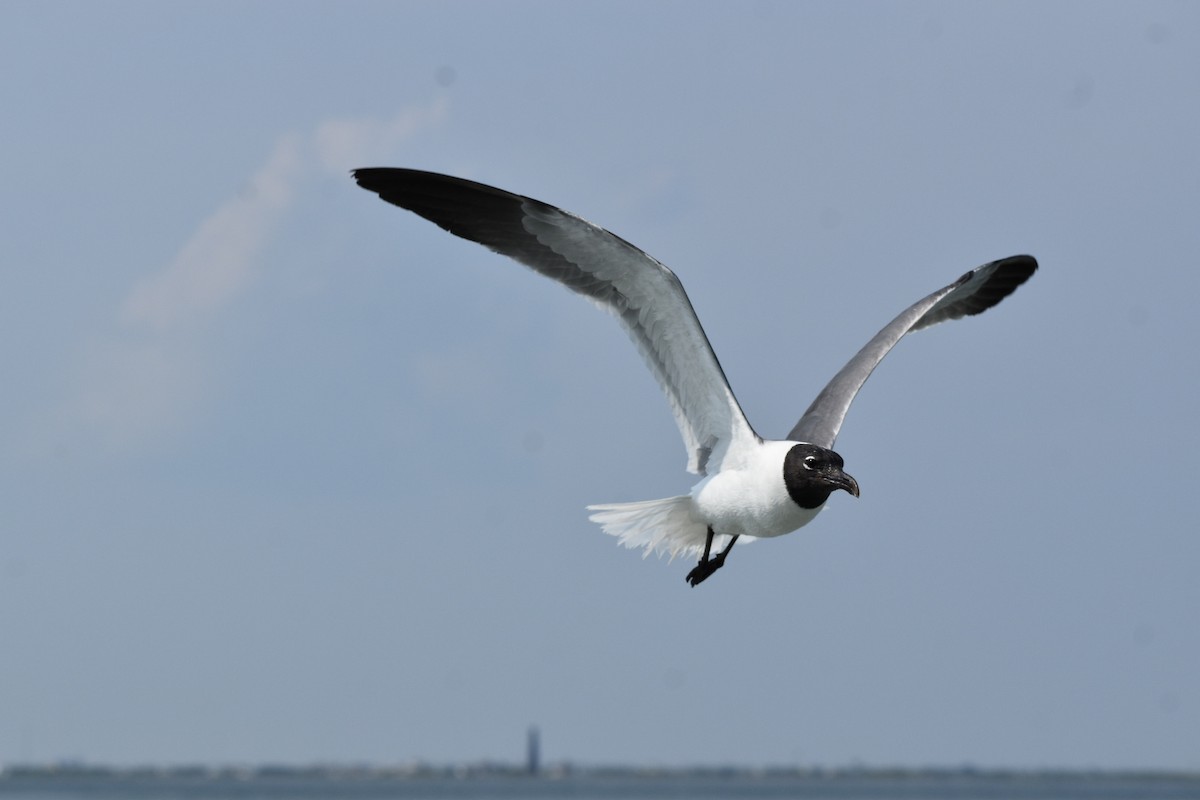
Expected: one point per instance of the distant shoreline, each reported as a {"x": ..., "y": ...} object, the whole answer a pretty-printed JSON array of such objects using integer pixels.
[{"x": 76, "y": 771}]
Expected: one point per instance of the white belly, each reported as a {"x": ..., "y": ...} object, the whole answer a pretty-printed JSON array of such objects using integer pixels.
[{"x": 752, "y": 501}]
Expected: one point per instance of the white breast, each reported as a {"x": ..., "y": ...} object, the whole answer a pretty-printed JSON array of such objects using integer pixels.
[{"x": 752, "y": 500}]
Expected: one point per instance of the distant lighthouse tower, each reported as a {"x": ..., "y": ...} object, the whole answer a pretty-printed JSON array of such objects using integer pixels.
[{"x": 533, "y": 748}]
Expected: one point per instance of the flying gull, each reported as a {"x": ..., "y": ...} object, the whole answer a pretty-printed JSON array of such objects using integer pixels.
[{"x": 751, "y": 487}]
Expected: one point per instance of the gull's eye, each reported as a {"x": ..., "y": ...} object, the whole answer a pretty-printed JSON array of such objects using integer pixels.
[{"x": 810, "y": 462}]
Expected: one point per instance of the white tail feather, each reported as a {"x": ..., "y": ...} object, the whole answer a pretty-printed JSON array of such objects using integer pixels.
[{"x": 661, "y": 526}]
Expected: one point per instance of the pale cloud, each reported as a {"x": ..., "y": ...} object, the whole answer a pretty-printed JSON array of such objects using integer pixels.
[
  {"x": 130, "y": 390},
  {"x": 343, "y": 144},
  {"x": 216, "y": 263},
  {"x": 149, "y": 375}
]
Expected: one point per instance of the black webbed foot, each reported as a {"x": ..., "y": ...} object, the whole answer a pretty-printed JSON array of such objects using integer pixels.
[
  {"x": 708, "y": 566},
  {"x": 704, "y": 569}
]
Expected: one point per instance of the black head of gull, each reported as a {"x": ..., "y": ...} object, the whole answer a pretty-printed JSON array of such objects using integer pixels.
[
  {"x": 751, "y": 487},
  {"x": 812, "y": 473}
]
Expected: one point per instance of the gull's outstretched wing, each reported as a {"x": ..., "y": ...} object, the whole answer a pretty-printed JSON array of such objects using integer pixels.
[
  {"x": 643, "y": 294},
  {"x": 973, "y": 293}
]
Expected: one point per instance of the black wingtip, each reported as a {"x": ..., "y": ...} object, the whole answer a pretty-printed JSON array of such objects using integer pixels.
[
  {"x": 1020, "y": 268},
  {"x": 981, "y": 289},
  {"x": 1006, "y": 275},
  {"x": 1013, "y": 271},
  {"x": 1017, "y": 269},
  {"x": 377, "y": 179},
  {"x": 473, "y": 211}
]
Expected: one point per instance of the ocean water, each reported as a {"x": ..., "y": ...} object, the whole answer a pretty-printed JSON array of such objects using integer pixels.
[{"x": 589, "y": 787}]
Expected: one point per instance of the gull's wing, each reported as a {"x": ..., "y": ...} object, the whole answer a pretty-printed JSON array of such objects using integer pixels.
[
  {"x": 973, "y": 293},
  {"x": 643, "y": 294}
]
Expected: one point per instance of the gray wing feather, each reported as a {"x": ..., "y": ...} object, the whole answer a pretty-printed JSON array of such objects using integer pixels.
[
  {"x": 645, "y": 296},
  {"x": 973, "y": 293}
]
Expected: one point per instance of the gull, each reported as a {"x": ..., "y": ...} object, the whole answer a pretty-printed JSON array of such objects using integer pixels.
[{"x": 750, "y": 487}]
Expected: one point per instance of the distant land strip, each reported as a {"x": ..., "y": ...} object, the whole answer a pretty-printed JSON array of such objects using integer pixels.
[{"x": 416, "y": 770}]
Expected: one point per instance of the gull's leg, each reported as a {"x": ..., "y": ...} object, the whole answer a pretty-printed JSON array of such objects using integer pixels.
[{"x": 708, "y": 566}]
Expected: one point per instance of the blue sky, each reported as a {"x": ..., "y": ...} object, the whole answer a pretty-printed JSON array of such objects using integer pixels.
[{"x": 291, "y": 475}]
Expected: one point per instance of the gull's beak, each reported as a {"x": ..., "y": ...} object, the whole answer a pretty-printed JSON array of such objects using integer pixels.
[{"x": 843, "y": 480}]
